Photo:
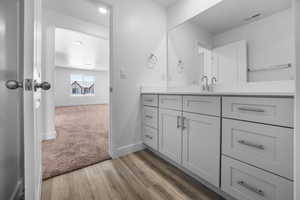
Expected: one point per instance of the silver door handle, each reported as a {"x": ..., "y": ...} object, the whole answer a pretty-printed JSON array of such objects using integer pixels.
[
  {"x": 44, "y": 85},
  {"x": 13, "y": 84},
  {"x": 251, "y": 188},
  {"x": 250, "y": 144},
  {"x": 252, "y": 109}
]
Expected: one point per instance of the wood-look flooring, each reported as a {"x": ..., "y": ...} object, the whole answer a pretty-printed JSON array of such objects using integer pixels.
[{"x": 138, "y": 176}]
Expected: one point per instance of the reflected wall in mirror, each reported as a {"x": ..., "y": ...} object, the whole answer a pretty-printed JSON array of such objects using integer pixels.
[{"x": 237, "y": 41}]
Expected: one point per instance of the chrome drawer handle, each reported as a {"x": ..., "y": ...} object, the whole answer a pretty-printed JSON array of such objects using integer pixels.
[
  {"x": 257, "y": 146},
  {"x": 149, "y": 116},
  {"x": 183, "y": 119},
  {"x": 148, "y": 136},
  {"x": 252, "y": 109},
  {"x": 178, "y": 121},
  {"x": 251, "y": 188},
  {"x": 148, "y": 100}
]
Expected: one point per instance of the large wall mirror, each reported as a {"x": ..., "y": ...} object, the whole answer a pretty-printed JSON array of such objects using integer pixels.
[{"x": 236, "y": 41}]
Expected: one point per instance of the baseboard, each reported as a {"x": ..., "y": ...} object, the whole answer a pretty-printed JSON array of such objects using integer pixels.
[
  {"x": 49, "y": 135},
  {"x": 17, "y": 191},
  {"x": 124, "y": 150}
]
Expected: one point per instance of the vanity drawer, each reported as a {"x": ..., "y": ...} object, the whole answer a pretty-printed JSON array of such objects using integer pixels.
[
  {"x": 267, "y": 147},
  {"x": 173, "y": 102},
  {"x": 150, "y": 137},
  {"x": 277, "y": 111},
  {"x": 245, "y": 182},
  {"x": 150, "y": 100},
  {"x": 202, "y": 104},
  {"x": 150, "y": 116}
]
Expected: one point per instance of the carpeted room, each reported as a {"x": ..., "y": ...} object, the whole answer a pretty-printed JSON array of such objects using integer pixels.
[{"x": 76, "y": 110}]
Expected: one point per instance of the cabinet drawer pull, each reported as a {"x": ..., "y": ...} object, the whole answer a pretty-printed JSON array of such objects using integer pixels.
[
  {"x": 148, "y": 136},
  {"x": 183, "y": 119},
  {"x": 257, "y": 146},
  {"x": 251, "y": 188},
  {"x": 148, "y": 100},
  {"x": 149, "y": 116},
  {"x": 178, "y": 121},
  {"x": 251, "y": 109}
]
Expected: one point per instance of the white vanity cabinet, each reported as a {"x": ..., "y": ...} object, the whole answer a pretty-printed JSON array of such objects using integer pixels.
[
  {"x": 150, "y": 121},
  {"x": 201, "y": 146},
  {"x": 241, "y": 146},
  {"x": 189, "y": 135},
  {"x": 170, "y": 137}
]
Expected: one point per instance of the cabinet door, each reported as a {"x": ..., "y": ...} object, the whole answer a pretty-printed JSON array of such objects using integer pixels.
[
  {"x": 170, "y": 134},
  {"x": 201, "y": 146}
]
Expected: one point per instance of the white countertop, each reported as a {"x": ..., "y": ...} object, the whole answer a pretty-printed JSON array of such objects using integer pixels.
[
  {"x": 274, "y": 89},
  {"x": 274, "y": 94}
]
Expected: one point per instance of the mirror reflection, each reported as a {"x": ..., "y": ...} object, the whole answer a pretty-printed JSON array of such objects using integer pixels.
[{"x": 234, "y": 42}]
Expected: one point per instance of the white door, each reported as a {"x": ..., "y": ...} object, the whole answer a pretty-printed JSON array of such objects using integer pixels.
[
  {"x": 170, "y": 136},
  {"x": 201, "y": 146},
  {"x": 28, "y": 44},
  {"x": 10, "y": 110},
  {"x": 230, "y": 63}
]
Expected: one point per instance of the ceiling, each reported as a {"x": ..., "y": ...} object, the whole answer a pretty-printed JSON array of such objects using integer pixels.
[
  {"x": 78, "y": 50},
  {"x": 86, "y": 10},
  {"x": 166, "y": 3},
  {"x": 232, "y": 13}
]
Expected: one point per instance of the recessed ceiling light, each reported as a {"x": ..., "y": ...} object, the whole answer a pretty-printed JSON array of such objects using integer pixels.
[
  {"x": 77, "y": 43},
  {"x": 102, "y": 10}
]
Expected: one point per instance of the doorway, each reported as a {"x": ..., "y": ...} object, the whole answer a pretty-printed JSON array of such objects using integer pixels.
[{"x": 75, "y": 56}]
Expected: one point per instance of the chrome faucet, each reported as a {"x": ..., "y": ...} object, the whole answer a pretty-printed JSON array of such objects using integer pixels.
[
  {"x": 213, "y": 81},
  {"x": 206, "y": 86}
]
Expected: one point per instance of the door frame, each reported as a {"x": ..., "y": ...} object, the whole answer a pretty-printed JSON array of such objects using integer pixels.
[
  {"x": 30, "y": 22},
  {"x": 29, "y": 45}
]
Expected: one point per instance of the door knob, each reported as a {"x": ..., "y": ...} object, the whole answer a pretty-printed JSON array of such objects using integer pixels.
[
  {"x": 13, "y": 84},
  {"x": 44, "y": 85}
]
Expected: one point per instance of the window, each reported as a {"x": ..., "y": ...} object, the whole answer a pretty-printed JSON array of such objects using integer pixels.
[{"x": 82, "y": 85}]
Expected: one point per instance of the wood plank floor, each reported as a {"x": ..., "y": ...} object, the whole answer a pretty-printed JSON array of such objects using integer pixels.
[{"x": 138, "y": 176}]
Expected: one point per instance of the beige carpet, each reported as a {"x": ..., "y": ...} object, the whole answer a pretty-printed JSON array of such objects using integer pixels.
[{"x": 82, "y": 139}]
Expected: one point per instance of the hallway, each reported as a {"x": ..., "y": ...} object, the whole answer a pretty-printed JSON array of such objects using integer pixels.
[{"x": 82, "y": 139}]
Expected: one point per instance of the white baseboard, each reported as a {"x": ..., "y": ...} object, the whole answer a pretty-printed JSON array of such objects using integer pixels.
[
  {"x": 49, "y": 135},
  {"x": 124, "y": 150},
  {"x": 17, "y": 191}
]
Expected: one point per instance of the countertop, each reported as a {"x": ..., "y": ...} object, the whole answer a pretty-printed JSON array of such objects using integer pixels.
[{"x": 220, "y": 93}]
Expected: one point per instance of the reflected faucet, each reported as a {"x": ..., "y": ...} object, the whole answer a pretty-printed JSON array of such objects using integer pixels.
[
  {"x": 213, "y": 80},
  {"x": 206, "y": 86}
]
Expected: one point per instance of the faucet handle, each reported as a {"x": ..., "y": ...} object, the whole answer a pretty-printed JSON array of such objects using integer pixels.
[{"x": 213, "y": 80}]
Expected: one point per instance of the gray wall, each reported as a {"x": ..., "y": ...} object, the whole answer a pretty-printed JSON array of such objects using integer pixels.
[
  {"x": 10, "y": 137},
  {"x": 62, "y": 88}
]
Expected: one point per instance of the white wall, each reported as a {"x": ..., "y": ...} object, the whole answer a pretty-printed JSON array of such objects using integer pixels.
[
  {"x": 297, "y": 119},
  {"x": 139, "y": 28},
  {"x": 184, "y": 10},
  {"x": 270, "y": 42},
  {"x": 62, "y": 88},
  {"x": 183, "y": 44}
]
